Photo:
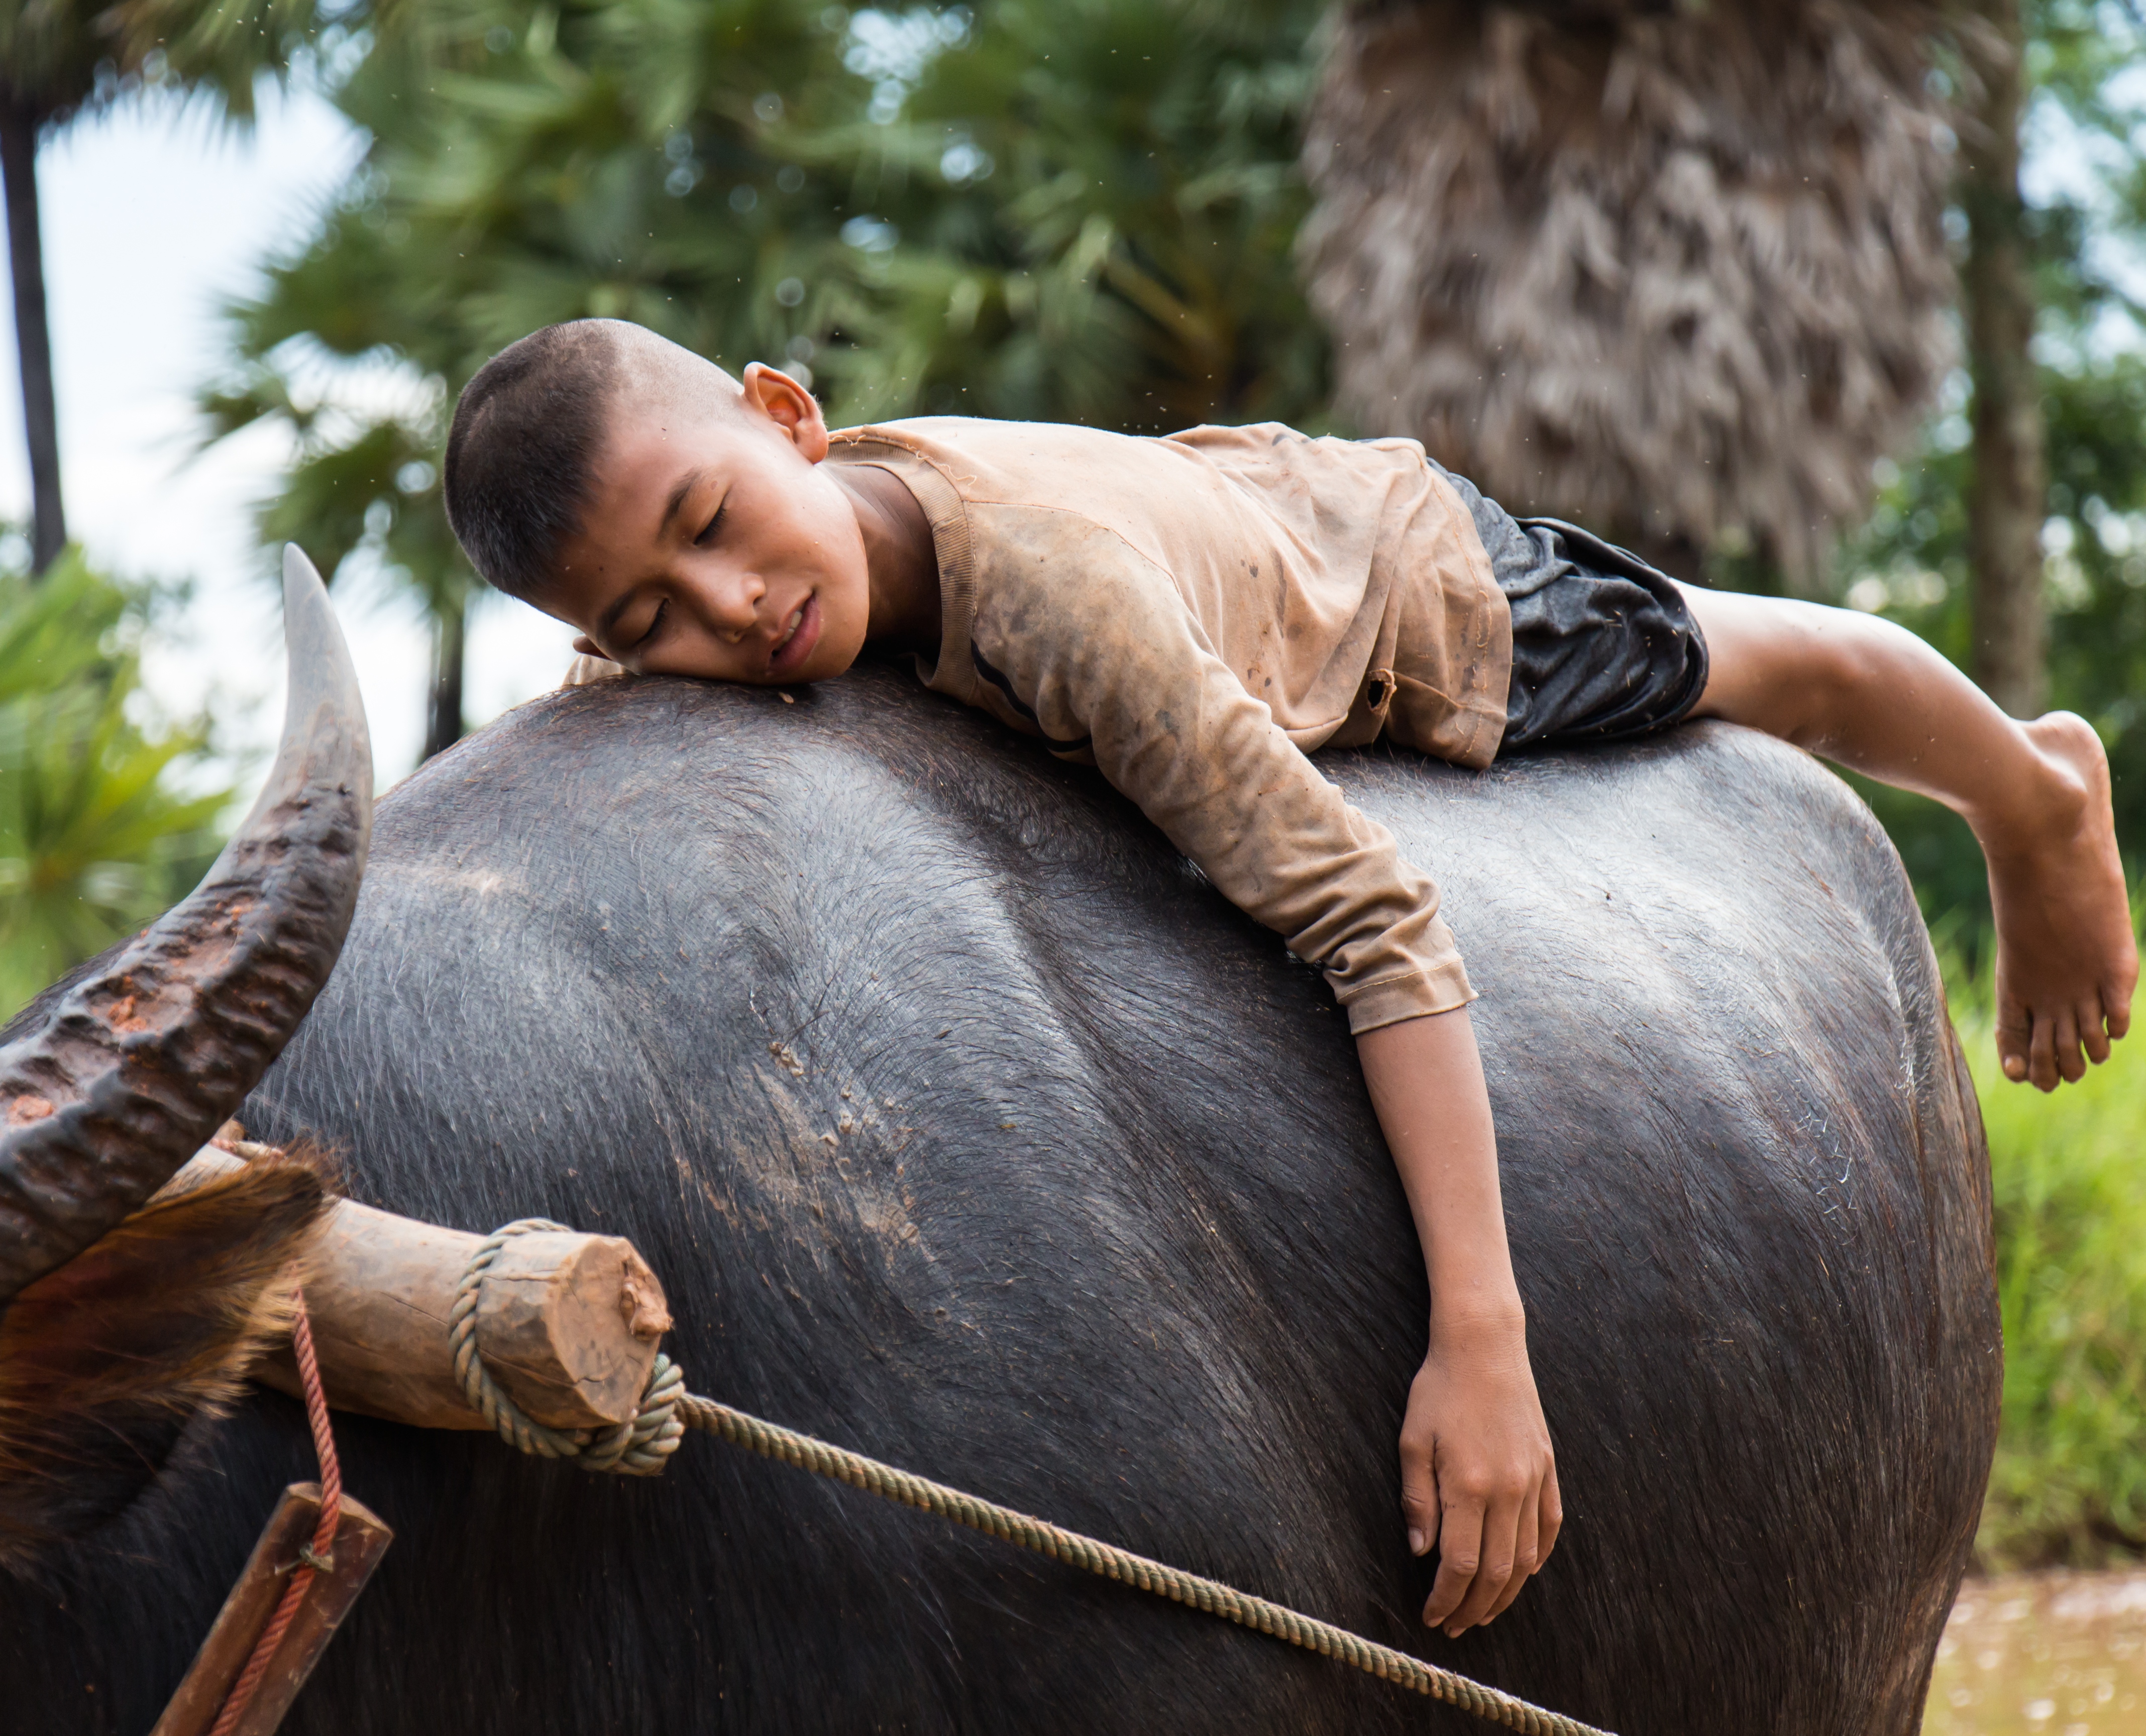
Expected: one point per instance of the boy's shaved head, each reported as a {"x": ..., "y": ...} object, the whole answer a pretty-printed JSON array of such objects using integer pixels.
[
  {"x": 532, "y": 425},
  {"x": 683, "y": 522}
]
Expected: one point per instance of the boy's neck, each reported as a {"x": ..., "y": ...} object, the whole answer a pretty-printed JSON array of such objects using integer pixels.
[{"x": 900, "y": 558}]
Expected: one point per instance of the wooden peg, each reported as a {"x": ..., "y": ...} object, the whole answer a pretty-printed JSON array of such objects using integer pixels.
[
  {"x": 361, "y": 1540},
  {"x": 568, "y": 1324}
]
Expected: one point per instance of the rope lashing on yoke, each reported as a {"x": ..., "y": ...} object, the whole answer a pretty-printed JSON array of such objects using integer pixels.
[
  {"x": 643, "y": 1446},
  {"x": 637, "y": 1447}
]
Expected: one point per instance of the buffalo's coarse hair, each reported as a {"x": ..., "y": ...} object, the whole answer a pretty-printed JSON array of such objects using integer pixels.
[
  {"x": 967, "y": 1128},
  {"x": 526, "y": 435}
]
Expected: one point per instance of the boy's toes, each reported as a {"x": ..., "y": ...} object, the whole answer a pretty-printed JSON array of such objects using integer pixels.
[
  {"x": 2012, "y": 1034},
  {"x": 2042, "y": 1054},
  {"x": 2070, "y": 1067},
  {"x": 2091, "y": 1034}
]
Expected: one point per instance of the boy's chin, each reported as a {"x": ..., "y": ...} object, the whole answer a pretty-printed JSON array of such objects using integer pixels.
[{"x": 829, "y": 660}]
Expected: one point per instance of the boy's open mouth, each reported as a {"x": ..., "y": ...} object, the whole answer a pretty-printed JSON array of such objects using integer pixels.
[{"x": 800, "y": 634}]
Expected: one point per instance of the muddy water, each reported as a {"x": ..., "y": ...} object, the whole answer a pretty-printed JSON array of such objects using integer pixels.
[{"x": 2043, "y": 1654}]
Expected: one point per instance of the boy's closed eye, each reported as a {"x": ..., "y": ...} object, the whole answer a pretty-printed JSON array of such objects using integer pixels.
[{"x": 616, "y": 629}]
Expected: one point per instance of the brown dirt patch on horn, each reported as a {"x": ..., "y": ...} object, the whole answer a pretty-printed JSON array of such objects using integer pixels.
[{"x": 122, "y": 1017}]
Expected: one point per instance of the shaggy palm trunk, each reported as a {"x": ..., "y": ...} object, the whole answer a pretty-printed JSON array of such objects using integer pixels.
[
  {"x": 18, "y": 182},
  {"x": 2007, "y": 498},
  {"x": 1674, "y": 271},
  {"x": 443, "y": 722}
]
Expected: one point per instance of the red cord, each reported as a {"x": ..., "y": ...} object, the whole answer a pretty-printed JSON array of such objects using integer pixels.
[{"x": 302, "y": 1575}]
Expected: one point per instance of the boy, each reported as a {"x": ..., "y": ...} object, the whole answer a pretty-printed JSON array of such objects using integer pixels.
[{"x": 1192, "y": 615}]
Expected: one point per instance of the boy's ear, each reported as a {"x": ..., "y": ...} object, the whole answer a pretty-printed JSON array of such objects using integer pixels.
[{"x": 783, "y": 402}]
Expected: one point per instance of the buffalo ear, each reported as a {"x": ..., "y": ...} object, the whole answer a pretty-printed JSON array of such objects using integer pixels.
[{"x": 104, "y": 1360}]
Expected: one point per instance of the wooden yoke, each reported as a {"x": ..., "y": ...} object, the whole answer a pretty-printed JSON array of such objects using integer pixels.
[{"x": 568, "y": 1324}]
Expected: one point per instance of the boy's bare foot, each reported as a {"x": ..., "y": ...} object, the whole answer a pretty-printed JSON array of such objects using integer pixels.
[
  {"x": 1869, "y": 694},
  {"x": 2067, "y": 962}
]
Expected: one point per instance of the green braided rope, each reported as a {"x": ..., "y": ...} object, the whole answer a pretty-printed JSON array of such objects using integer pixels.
[
  {"x": 772, "y": 1441},
  {"x": 642, "y": 1447},
  {"x": 637, "y": 1447}
]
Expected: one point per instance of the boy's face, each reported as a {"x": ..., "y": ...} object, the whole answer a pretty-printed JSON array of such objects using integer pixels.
[{"x": 714, "y": 545}]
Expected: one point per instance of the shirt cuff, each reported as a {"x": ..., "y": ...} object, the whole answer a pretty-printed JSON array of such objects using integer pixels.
[{"x": 1416, "y": 996}]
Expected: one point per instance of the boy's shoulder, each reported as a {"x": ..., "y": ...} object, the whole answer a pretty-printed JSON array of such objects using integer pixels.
[
  {"x": 968, "y": 442},
  {"x": 964, "y": 465},
  {"x": 1068, "y": 467}
]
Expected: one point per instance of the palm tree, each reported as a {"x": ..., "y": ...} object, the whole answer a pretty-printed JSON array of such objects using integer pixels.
[
  {"x": 1678, "y": 271},
  {"x": 60, "y": 59}
]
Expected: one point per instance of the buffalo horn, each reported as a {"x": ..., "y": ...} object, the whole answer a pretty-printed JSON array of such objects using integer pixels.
[{"x": 144, "y": 1057}]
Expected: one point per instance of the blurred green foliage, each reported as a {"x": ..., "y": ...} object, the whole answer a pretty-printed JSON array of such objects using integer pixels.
[
  {"x": 105, "y": 816},
  {"x": 1089, "y": 209},
  {"x": 2069, "y": 1482},
  {"x": 1080, "y": 210}
]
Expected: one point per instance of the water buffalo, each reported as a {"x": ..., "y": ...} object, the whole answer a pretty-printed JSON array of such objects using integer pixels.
[{"x": 969, "y": 1126}]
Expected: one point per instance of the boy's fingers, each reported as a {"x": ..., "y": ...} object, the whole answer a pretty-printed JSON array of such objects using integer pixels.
[
  {"x": 1459, "y": 1546},
  {"x": 1419, "y": 1497},
  {"x": 1513, "y": 1586},
  {"x": 1495, "y": 1563},
  {"x": 2119, "y": 1012},
  {"x": 1551, "y": 1519},
  {"x": 1527, "y": 1552}
]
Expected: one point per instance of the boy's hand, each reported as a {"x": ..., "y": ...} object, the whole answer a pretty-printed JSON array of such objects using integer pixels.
[{"x": 1479, "y": 1481}]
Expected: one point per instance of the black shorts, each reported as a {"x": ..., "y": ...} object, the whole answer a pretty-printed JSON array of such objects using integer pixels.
[{"x": 1604, "y": 647}]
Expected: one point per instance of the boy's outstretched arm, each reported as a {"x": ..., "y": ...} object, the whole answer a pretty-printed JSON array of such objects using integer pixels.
[
  {"x": 1478, "y": 1479},
  {"x": 1873, "y": 697}
]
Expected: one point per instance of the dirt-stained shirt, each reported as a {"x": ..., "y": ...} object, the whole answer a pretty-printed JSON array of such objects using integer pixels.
[{"x": 1193, "y": 615}]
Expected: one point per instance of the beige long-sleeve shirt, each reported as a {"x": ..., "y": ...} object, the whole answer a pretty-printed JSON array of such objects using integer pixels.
[{"x": 1193, "y": 615}]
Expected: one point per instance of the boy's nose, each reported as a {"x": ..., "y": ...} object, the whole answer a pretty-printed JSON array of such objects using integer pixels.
[{"x": 738, "y": 605}]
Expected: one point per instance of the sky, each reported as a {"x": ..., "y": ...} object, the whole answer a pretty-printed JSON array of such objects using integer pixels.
[{"x": 153, "y": 216}]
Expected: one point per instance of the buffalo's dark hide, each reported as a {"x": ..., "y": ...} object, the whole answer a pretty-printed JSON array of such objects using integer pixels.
[{"x": 967, "y": 1125}]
